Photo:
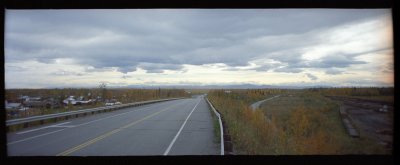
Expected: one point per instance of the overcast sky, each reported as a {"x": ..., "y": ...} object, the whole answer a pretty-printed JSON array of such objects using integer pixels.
[{"x": 80, "y": 48}]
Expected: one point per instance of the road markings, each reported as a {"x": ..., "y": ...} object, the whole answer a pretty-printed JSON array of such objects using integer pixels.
[
  {"x": 108, "y": 117},
  {"x": 34, "y": 137},
  {"x": 177, "y": 134},
  {"x": 55, "y": 125},
  {"x": 112, "y": 116},
  {"x": 75, "y": 126},
  {"x": 67, "y": 152},
  {"x": 63, "y": 126},
  {"x": 83, "y": 145}
]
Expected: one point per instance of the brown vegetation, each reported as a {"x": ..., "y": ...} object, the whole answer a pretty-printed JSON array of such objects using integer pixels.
[
  {"x": 298, "y": 122},
  {"x": 374, "y": 93}
]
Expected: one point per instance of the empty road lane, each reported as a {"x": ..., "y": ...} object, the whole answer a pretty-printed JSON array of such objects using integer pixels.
[{"x": 178, "y": 127}]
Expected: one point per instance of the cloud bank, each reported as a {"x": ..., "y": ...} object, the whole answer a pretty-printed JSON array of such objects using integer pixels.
[{"x": 167, "y": 42}]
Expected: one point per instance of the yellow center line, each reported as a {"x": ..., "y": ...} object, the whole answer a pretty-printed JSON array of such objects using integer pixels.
[{"x": 83, "y": 145}]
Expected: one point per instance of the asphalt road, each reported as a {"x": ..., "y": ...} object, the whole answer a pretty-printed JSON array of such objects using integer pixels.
[{"x": 178, "y": 127}]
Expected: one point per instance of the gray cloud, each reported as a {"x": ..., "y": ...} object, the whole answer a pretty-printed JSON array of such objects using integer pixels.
[
  {"x": 328, "y": 62},
  {"x": 16, "y": 68},
  {"x": 158, "y": 68},
  {"x": 338, "y": 61},
  {"x": 266, "y": 67},
  {"x": 388, "y": 67},
  {"x": 288, "y": 70},
  {"x": 127, "y": 69},
  {"x": 260, "y": 68},
  {"x": 169, "y": 38},
  {"x": 126, "y": 76},
  {"x": 311, "y": 77},
  {"x": 67, "y": 73},
  {"x": 333, "y": 71},
  {"x": 92, "y": 69}
]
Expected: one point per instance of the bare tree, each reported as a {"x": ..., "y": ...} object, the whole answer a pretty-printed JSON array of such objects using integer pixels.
[{"x": 103, "y": 89}]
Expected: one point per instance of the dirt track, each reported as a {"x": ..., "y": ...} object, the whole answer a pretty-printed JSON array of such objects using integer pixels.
[{"x": 369, "y": 120}]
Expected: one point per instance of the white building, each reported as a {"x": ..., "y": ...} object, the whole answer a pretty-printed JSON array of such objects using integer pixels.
[
  {"x": 13, "y": 106},
  {"x": 70, "y": 99}
]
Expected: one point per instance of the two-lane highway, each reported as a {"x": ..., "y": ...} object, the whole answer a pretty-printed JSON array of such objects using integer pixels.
[{"x": 178, "y": 127}]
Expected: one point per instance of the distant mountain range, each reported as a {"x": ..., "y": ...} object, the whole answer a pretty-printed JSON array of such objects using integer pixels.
[
  {"x": 233, "y": 86},
  {"x": 216, "y": 86}
]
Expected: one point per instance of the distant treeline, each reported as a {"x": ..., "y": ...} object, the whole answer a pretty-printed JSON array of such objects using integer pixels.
[
  {"x": 368, "y": 91},
  {"x": 123, "y": 95}
]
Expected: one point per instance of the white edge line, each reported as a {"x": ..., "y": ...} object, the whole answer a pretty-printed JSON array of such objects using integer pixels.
[
  {"x": 70, "y": 126},
  {"x": 106, "y": 117},
  {"x": 83, "y": 111},
  {"x": 177, "y": 134},
  {"x": 220, "y": 127},
  {"x": 62, "y": 126},
  {"x": 141, "y": 108},
  {"x": 34, "y": 137},
  {"x": 19, "y": 133}
]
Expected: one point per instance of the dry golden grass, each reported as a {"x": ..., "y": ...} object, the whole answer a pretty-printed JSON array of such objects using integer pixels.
[{"x": 305, "y": 123}]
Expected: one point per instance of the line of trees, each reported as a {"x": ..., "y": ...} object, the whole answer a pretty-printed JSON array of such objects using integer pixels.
[
  {"x": 356, "y": 91},
  {"x": 122, "y": 95}
]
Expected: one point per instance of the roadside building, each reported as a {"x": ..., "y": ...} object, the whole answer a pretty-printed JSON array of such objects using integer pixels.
[
  {"x": 70, "y": 100},
  {"x": 22, "y": 99},
  {"x": 34, "y": 102},
  {"x": 40, "y": 102},
  {"x": 13, "y": 106},
  {"x": 80, "y": 100}
]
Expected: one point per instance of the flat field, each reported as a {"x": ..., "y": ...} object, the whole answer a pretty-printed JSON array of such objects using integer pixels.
[{"x": 303, "y": 122}]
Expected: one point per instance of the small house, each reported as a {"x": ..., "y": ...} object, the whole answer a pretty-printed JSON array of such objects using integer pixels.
[{"x": 13, "y": 106}]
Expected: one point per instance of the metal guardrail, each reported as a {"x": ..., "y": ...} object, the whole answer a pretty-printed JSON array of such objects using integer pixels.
[
  {"x": 220, "y": 126},
  {"x": 84, "y": 111}
]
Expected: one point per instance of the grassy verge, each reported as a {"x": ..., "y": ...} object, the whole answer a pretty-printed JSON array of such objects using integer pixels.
[
  {"x": 321, "y": 121},
  {"x": 217, "y": 133},
  {"x": 236, "y": 115},
  {"x": 301, "y": 123}
]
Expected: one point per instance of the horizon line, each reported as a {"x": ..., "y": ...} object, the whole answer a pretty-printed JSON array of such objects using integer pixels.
[{"x": 212, "y": 87}]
